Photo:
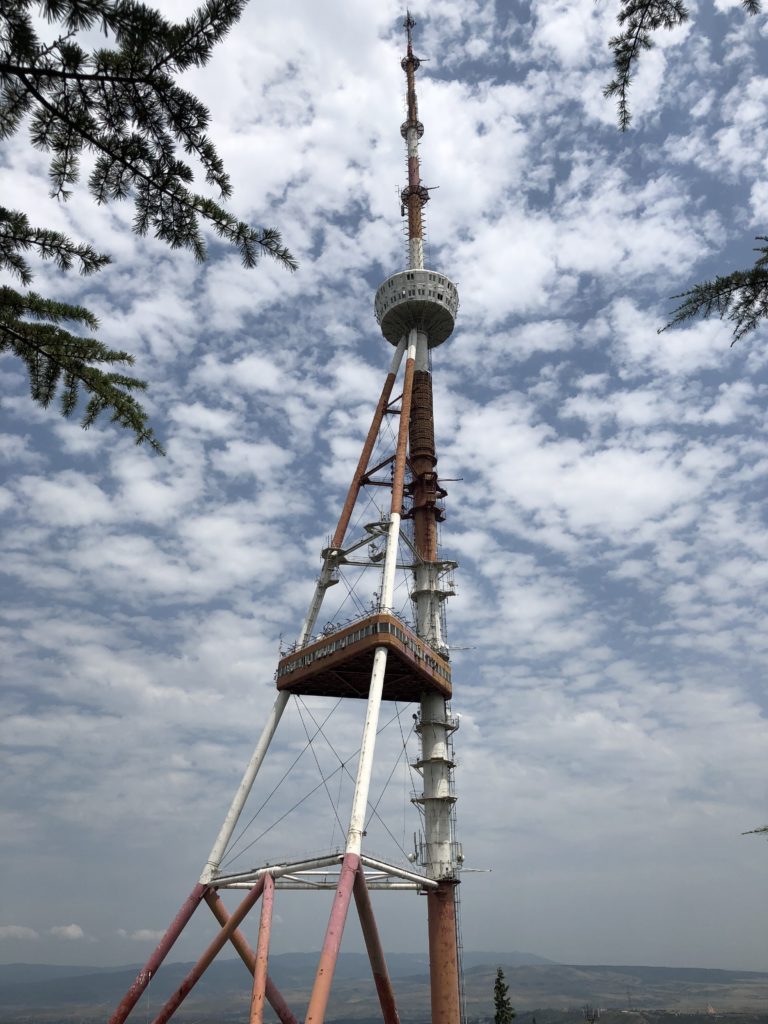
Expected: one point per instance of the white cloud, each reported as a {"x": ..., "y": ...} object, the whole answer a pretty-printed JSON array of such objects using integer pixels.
[
  {"x": 18, "y": 933},
  {"x": 70, "y": 932},
  {"x": 67, "y": 499},
  {"x": 641, "y": 348},
  {"x": 141, "y": 935}
]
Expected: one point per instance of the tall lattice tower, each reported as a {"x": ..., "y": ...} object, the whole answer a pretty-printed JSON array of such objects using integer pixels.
[{"x": 380, "y": 656}]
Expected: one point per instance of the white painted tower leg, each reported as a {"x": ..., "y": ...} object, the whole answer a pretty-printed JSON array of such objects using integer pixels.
[
  {"x": 244, "y": 789},
  {"x": 365, "y": 763}
]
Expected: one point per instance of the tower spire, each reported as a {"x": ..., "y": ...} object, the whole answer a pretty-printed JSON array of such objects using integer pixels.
[{"x": 414, "y": 196}]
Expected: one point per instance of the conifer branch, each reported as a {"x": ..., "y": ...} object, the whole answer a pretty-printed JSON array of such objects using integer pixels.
[
  {"x": 161, "y": 200},
  {"x": 17, "y": 236},
  {"x": 19, "y": 70},
  {"x": 639, "y": 19},
  {"x": 64, "y": 364},
  {"x": 740, "y": 297},
  {"x": 121, "y": 102}
]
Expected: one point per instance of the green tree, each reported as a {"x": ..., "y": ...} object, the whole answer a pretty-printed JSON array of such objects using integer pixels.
[
  {"x": 503, "y": 1012},
  {"x": 121, "y": 103},
  {"x": 741, "y": 297}
]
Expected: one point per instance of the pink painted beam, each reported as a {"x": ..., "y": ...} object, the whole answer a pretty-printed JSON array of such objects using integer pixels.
[
  {"x": 247, "y": 955},
  {"x": 375, "y": 950},
  {"x": 205, "y": 961},
  {"x": 144, "y": 976},
  {"x": 262, "y": 953},
  {"x": 321, "y": 989}
]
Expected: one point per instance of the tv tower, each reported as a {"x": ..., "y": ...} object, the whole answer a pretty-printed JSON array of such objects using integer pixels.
[{"x": 377, "y": 657}]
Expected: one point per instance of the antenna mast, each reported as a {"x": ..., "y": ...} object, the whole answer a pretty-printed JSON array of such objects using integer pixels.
[{"x": 414, "y": 196}]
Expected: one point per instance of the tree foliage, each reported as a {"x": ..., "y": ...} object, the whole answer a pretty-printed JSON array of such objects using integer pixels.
[
  {"x": 741, "y": 296},
  {"x": 638, "y": 20},
  {"x": 121, "y": 104},
  {"x": 503, "y": 1013}
]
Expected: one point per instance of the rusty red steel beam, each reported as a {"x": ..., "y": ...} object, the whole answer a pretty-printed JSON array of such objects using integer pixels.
[
  {"x": 443, "y": 954},
  {"x": 248, "y": 956},
  {"x": 375, "y": 950},
  {"x": 262, "y": 953},
  {"x": 398, "y": 477},
  {"x": 362, "y": 465},
  {"x": 174, "y": 930},
  {"x": 375, "y": 469},
  {"x": 321, "y": 990},
  {"x": 425, "y": 484},
  {"x": 205, "y": 961}
]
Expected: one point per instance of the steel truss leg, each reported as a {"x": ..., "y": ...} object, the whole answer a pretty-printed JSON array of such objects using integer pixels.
[
  {"x": 144, "y": 976},
  {"x": 370, "y": 441},
  {"x": 247, "y": 955},
  {"x": 375, "y": 950},
  {"x": 205, "y": 961},
  {"x": 262, "y": 953},
  {"x": 321, "y": 989}
]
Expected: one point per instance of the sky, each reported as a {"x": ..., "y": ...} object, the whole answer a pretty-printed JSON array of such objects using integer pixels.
[{"x": 606, "y": 503}]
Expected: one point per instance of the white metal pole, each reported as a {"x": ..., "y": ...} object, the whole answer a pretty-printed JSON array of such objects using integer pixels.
[
  {"x": 368, "y": 743},
  {"x": 390, "y": 563},
  {"x": 415, "y": 245},
  {"x": 365, "y": 764},
  {"x": 397, "y": 358},
  {"x": 315, "y": 604},
  {"x": 244, "y": 789}
]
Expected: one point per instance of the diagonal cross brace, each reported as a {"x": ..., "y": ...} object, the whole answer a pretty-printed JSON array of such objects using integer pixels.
[
  {"x": 215, "y": 947},
  {"x": 144, "y": 976},
  {"x": 248, "y": 956}
]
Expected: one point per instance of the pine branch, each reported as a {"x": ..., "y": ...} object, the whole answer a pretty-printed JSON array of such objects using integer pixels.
[
  {"x": 17, "y": 236},
  {"x": 161, "y": 201},
  {"x": 122, "y": 103},
  {"x": 64, "y": 364},
  {"x": 641, "y": 18},
  {"x": 740, "y": 297},
  {"x": 19, "y": 70}
]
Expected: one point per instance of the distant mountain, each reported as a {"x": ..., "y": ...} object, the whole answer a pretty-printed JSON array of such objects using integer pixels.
[
  {"x": 679, "y": 989},
  {"x": 289, "y": 966},
  {"x": 14, "y": 973},
  {"x": 475, "y": 958},
  {"x": 53, "y": 993}
]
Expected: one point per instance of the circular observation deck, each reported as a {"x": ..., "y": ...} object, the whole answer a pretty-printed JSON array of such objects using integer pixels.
[{"x": 422, "y": 299}]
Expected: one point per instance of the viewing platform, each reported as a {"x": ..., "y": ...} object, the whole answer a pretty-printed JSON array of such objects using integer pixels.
[{"x": 340, "y": 664}]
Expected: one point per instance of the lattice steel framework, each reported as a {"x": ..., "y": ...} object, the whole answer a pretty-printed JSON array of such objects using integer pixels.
[{"x": 376, "y": 658}]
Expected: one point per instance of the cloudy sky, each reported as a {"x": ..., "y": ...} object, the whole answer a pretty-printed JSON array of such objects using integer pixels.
[{"x": 607, "y": 513}]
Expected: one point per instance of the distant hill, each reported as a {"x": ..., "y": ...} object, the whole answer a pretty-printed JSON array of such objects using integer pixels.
[
  {"x": 45, "y": 993},
  {"x": 16, "y": 973},
  {"x": 677, "y": 989}
]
